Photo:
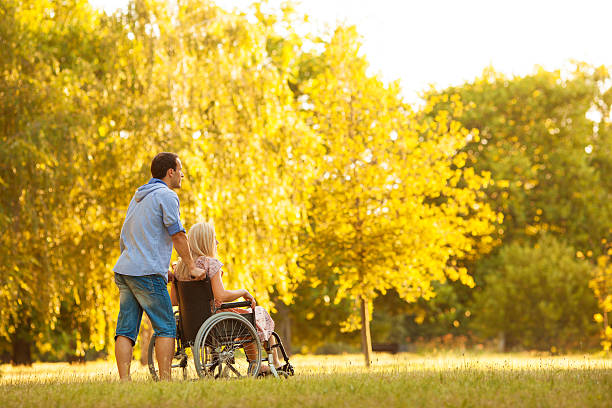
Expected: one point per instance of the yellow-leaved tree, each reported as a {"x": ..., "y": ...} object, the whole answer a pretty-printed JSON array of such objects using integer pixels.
[
  {"x": 393, "y": 206},
  {"x": 245, "y": 148}
]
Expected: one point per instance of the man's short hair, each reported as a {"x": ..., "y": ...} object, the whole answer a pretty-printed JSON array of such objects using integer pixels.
[{"x": 162, "y": 163}]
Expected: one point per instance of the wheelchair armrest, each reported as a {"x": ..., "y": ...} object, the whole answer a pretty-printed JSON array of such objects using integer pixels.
[{"x": 235, "y": 304}]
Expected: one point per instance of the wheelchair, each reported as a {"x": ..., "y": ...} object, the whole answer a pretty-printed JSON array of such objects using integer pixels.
[{"x": 223, "y": 344}]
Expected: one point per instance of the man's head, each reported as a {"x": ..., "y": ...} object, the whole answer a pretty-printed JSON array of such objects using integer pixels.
[{"x": 167, "y": 167}]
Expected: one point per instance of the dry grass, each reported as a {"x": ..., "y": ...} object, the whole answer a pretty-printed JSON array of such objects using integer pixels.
[{"x": 393, "y": 381}]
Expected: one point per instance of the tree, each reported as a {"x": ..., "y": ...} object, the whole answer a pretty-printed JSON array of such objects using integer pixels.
[
  {"x": 393, "y": 204},
  {"x": 52, "y": 97},
  {"x": 245, "y": 147},
  {"x": 601, "y": 284},
  {"x": 78, "y": 130},
  {"x": 546, "y": 155},
  {"x": 536, "y": 140}
]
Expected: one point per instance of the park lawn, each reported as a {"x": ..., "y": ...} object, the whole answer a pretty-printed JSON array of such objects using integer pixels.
[{"x": 335, "y": 381}]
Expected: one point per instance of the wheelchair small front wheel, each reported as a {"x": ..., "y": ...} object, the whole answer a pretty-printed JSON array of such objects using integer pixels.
[
  {"x": 227, "y": 346},
  {"x": 180, "y": 361}
]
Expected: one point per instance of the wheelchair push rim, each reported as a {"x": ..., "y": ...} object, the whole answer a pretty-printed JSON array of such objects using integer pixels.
[{"x": 220, "y": 349}]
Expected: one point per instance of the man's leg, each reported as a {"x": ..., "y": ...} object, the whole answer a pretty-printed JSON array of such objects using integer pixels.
[
  {"x": 123, "y": 355},
  {"x": 164, "y": 350},
  {"x": 152, "y": 294},
  {"x": 128, "y": 323}
]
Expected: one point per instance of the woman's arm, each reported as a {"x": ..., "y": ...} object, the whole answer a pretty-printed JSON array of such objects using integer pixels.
[{"x": 223, "y": 295}]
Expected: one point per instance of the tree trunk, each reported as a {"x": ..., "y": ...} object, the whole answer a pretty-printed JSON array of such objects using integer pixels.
[
  {"x": 501, "y": 342},
  {"x": 283, "y": 328},
  {"x": 21, "y": 351},
  {"x": 366, "y": 339}
]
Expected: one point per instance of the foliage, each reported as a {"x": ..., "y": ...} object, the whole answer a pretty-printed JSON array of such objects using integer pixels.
[
  {"x": 537, "y": 141},
  {"x": 315, "y": 317},
  {"x": 326, "y": 189},
  {"x": 78, "y": 134},
  {"x": 601, "y": 284},
  {"x": 246, "y": 150},
  {"x": 448, "y": 312},
  {"x": 57, "y": 153},
  {"x": 538, "y": 297},
  {"x": 393, "y": 205},
  {"x": 545, "y": 138}
]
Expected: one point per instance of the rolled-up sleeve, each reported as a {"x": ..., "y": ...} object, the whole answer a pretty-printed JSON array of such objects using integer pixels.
[{"x": 171, "y": 213}]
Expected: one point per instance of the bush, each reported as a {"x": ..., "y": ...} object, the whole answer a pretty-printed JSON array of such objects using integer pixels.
[{"x": 537, "y": 297}]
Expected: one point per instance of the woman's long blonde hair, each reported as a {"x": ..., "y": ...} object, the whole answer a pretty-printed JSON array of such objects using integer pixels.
[{"x": 201, "y": 237}]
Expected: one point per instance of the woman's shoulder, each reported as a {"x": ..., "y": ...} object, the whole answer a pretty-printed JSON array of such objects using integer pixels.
[
  {"x": 209, "y": 264},
  {"x": 207, "y": 260}
]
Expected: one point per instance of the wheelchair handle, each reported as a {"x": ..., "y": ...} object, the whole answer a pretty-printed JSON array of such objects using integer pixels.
[{"x": 235, "y": 304}]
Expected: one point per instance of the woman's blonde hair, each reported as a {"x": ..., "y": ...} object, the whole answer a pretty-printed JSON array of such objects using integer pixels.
[{"x": 201, "y": 237}]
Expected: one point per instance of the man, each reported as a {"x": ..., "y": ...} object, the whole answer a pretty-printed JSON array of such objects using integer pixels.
[{"x": 151, "y": 227}]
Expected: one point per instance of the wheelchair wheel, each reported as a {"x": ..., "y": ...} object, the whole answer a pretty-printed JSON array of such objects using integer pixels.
[
  {"x": 180, "y": 361},
  {"x": 227, "y": 346}
]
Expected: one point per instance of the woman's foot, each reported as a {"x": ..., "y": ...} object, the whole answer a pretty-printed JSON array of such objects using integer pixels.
[{"x": 265, "y": 370}]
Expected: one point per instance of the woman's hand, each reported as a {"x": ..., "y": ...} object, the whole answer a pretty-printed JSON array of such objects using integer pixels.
[{"x": 250, "y": 298}]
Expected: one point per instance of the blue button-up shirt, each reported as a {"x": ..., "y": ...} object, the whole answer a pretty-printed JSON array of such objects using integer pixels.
[{"x": 153, "y": 216}]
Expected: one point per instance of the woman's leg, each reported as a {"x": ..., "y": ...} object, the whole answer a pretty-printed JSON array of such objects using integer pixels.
[
  {"x": 275, "y": 351},
  {"x": 250, "y": 349}
]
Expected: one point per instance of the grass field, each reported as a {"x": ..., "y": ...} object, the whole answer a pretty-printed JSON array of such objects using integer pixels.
[{"x": 334, "y": 381}]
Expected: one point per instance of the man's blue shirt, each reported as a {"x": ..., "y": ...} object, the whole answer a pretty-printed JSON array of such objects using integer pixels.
[{"x": 153, "y": 216}]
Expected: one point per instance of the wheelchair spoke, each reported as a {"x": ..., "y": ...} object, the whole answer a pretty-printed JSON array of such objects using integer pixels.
[
  {"x": 240, "y": 343},
  {"x": 231, "y": 367},
  {"x": 229, "y": 348}
]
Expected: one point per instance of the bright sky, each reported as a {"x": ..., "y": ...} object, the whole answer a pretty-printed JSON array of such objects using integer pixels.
[{"x": 448, "y": 42}]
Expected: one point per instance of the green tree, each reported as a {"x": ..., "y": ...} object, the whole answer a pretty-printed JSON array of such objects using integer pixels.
[
  {"x": 536, "y": 140},
  {"x": 536, "y": 296},
  {"x": 546, "y": 156}
]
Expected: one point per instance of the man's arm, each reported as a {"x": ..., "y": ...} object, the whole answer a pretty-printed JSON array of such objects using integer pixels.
[{"x": 179, "y": 240}]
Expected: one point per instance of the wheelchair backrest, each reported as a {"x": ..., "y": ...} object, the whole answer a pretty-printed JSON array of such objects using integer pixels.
[{"x": 195, "y": 300}]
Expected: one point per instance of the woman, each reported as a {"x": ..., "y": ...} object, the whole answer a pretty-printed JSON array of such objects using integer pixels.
[{"x": 203, "y": 245}]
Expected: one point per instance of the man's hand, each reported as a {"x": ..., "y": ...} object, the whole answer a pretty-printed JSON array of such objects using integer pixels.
[
  {"x": 179, "y": 240},
  {"x": 197, "y": 273}
]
